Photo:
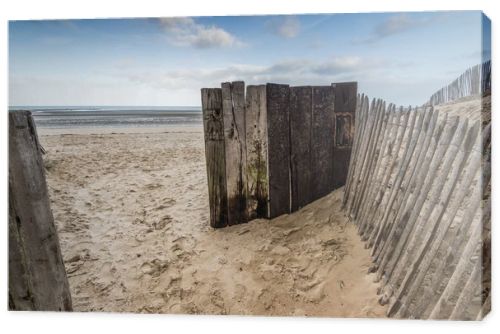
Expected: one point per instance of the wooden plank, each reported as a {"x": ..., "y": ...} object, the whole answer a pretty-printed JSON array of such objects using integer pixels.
[
  {"x": 437, "y": 227},
  {"x": 379, "y": 129},
  {"x": 356, "y": 160},
  {"x": 322, "y": 141},
  {"x": 358, "y": 125},
  {"x": 233, "y": 110},
  {"x": 379, "y": 171},
  {"x": 213, "y": 125},
  {"x": 345, "y": 113},
  {"x": 37, "y": 277},
  {"x": 257, "y": 152},
  {"x": 417, "y": 164},
  {"x": 278, "y": 122},
  {"x": 430, "y": 197},
  {"x": 391, "y": 254},
  {"x": 472, "y": 248},
  {"x": 300, "y": 145},
  {"x": 345, "y": 97},
  {"x": 365, "y": 146}
]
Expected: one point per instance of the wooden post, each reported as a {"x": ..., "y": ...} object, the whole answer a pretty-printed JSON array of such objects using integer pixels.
[
  {"x": 300, "y": 141},
  {"x": 257, "y": 152},
  {"x": 213, "y": 123},
  {"x": 322, "y": 139},
  {"x": 233, "y": 110},
  {"x": 344, "y": 109},
  {"x": 278, "y": 125},
  {"x": 37, "y": 277}
]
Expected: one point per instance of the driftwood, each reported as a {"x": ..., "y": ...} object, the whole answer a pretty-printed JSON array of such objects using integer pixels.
[{"x": 37, "y": 277}]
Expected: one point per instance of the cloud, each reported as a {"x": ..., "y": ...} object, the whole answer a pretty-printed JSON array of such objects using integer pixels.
[
  {"x": 292, "y": 71},
  {"x": 340, "y": 64},
  {"x": 287, "y": 27},
  {"x": 185, "y": 31},
  {"x": 394, "y": 25}
]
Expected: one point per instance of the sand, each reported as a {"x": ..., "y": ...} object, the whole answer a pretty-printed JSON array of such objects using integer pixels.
[{"x": 131, "y": 210}]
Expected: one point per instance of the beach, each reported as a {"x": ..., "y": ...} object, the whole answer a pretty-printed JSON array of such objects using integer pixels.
[{"x": 131, "y": 209}]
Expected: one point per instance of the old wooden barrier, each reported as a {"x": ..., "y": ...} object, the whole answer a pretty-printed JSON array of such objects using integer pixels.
[
  {"x": 37, "y": 277},
  {"x": 418, "y": 190},
  {"x": 276, "y": 149}
]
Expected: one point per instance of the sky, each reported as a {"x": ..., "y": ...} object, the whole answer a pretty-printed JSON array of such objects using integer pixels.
[{"x": 400, "y": 57}]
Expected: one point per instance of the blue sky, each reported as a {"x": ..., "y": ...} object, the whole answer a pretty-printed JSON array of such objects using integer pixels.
[{"x": 400, "y": 57}]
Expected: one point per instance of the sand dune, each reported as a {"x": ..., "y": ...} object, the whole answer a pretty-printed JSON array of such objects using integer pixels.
[{"x": 132, "y": 215}]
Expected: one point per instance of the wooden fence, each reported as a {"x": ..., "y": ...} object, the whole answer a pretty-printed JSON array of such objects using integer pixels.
[
  {"x": 418, "y": 191},
  {"x": 276, "y": 148},
  {"x": 37, "y": 277},
  {"x": 474, "y": 81}
]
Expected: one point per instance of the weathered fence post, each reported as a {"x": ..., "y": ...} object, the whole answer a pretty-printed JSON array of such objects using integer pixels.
[
  {"x": 322, "y": 138},
  {"x": 233, "y": 110},
  {"x": 344, "y": 109},
  {"x": 278, "y": 120},
  {"x": 213, "y": 124},
  {"x": 300, "y": 145},
  {"x": 257, "y": 152},
  {"x": 37, "y": 277}
]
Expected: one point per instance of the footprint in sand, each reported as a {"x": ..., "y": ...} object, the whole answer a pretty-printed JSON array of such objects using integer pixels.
[
  {"x": 162, "y": 222},
  {"x": 155, "y": 267}
]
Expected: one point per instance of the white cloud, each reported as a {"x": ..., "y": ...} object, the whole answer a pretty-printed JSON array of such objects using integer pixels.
[
  {"x": 287, "y": 26},
  {"x": 185, "y": 31},
  {"x": 294, "y": 72},
  {"x": 396, "y": 24}
]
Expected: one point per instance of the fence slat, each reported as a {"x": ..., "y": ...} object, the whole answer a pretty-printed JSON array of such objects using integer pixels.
[
  {"x": 278, "y": 120},
  {"x": 322, "y": 141},
  {"x": 213, "y": 123},
  {"x": 300, "y": 140},
  {"x": 257, "y": 152},
  {"x": 233, "y": 110}
]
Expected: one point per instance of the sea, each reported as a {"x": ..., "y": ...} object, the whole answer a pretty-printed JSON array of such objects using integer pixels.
[{"x": 67, "y": 117}]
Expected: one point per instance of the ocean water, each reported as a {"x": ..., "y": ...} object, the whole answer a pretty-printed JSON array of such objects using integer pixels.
[{"x": 115, "y": 117}]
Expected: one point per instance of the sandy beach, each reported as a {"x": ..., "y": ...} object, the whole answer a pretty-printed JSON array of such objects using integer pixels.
[{"x": 131, "y": 209}]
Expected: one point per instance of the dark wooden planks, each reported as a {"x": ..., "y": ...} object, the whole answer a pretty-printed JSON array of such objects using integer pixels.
[
  {"x": 322, "y": 141},
  {"x": 213, "y": 124},
  {"x": 345, "y": 97},
  {"x": 37, "y": 277},
  {"x": 344, "y": 108},
  {"x": 257, "y": 151},
  {"x": 279, "y": 148},
  {"x": 233, "y": 110},
  {"x": 300, "y": 149}
]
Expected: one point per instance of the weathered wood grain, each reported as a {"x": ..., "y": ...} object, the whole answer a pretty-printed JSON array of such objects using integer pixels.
[
  {"x": 37, "y": 277},
  {"x": 300, "y": 145},
  {"x": 322, "y": 141},
  {"x": 233, "y": 110},
  {"x": 278, "y": 125},
  {"x": 213, "y": 123},
  {"x": 257, "y": 152},
  {"x": 345, "y": 116}
]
